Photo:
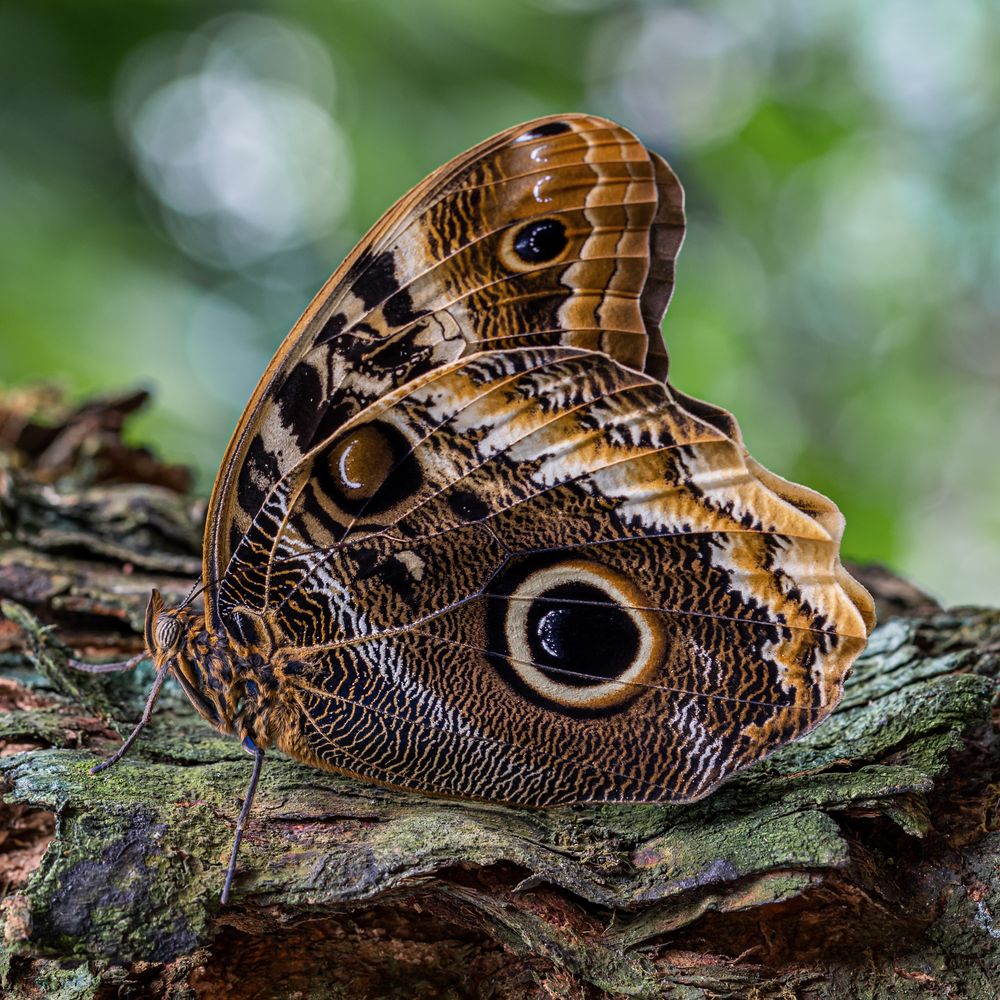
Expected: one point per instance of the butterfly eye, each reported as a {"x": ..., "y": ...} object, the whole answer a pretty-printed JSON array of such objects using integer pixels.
[
  {"x": 369, "y": 469},
  {"x": 165, "y": 632},
  {"x": 578, "y": 634}
]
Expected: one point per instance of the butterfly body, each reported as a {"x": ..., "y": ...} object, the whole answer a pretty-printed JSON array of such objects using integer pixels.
[{"x": 467, "y": 539}]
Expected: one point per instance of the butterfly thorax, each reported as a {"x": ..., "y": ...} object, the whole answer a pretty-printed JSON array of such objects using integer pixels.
[{"x": 229, "y": 685}]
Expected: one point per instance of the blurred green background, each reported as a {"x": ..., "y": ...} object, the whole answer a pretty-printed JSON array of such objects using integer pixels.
[{"x": 178, "y": 178}]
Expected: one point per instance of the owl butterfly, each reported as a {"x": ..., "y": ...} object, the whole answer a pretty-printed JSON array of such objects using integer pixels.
[{"x": 467, "y": 540}]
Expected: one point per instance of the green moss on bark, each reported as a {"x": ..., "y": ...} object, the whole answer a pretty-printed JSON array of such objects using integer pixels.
[{"x": 135, "y": 870}]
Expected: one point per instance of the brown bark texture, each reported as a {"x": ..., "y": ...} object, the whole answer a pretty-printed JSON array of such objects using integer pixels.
[{"x": 860, "y": 862}]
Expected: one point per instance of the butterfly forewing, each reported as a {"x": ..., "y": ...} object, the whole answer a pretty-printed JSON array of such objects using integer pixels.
[
  {"x": 541, "y": 235},
  {"x": 482, "y": 545}
]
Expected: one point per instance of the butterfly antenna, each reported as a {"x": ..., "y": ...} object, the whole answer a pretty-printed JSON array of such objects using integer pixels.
[
  {"x": 191, "y": 593},
  {"x": 147, "y": 713},
  {"x": 200, "y": 587},
  {"x": 258, "y": 763},
  {"x": 108, "y": 668},
  {"x": 196, "y": 588}
]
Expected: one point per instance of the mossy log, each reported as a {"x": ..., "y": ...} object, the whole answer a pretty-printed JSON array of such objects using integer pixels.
[{"x": 859, "y": 862}]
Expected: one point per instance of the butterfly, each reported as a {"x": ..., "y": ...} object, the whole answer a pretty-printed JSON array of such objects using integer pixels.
[{"x": 466, "y": 538}]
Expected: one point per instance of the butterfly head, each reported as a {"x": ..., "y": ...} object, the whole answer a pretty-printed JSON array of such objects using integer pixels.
[
  {"x": 164, "y": 633},
  {"x": 200, "y": 661}
]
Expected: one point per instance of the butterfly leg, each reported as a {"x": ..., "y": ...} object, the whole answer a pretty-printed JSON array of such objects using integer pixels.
[
  {"x": 258, "y": 763},
  {"x": 146, "y": 714}
]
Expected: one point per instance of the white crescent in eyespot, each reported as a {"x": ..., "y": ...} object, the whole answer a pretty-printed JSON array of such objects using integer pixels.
[{"x": 344, "y": 474}]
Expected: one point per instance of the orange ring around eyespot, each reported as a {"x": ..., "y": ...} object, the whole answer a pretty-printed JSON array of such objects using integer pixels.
[{"x": 624, "y": 594}]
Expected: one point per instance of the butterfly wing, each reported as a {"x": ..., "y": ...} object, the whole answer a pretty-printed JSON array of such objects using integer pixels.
[
  {"x": 534, "y": 575},
  {"x": 560, "y": 231},
  {"x": 486, "y": 549}
]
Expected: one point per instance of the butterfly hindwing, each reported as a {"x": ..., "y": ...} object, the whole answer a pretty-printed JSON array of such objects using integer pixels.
[{"x": 502, "y": 569}]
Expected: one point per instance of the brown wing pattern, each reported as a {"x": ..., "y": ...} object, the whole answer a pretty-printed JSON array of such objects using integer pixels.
[
  {"x": 541, "y": 235},
  {"x": 532, "y": 575},
  {"x": 474, "y": 544}
]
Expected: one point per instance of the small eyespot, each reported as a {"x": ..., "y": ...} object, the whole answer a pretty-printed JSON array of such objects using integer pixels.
[
  {"x": 541, "y": 241},
  {"x": 466, "y": 506},
  {"x": 539, "y": 131},
  {"x": 368, "y": 469}
]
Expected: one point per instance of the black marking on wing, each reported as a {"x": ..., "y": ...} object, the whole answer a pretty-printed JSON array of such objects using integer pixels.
[
  {"x": 300, "y": 405},
  {"x": 374, "y": 278},
  {"x": 259, "y": 473},
  {"x": 549, "y": 128},
  {"x": 333, "y": 327},
  {"x": 399, "y": 311}
]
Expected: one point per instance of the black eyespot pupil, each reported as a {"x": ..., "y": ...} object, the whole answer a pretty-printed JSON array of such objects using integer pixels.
[
  {"x": 540, "y": 241},
  {"x": 467, "y": 506},
  {"x": 578, "y": 636}
]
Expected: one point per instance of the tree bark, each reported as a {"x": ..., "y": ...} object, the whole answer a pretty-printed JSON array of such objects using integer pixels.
[{"x": 861, "y": 861}]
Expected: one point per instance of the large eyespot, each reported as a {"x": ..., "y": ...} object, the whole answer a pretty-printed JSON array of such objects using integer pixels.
[
  {"x": 540, "y": 241},
  {"x": 577, "y": 634},
  {"x": 369, "y": 469}
]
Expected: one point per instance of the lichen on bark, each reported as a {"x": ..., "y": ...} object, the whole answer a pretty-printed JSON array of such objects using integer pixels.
[{"x": 859, "y": 862}]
